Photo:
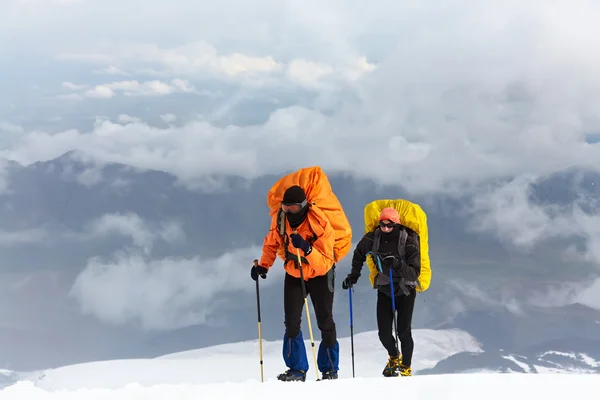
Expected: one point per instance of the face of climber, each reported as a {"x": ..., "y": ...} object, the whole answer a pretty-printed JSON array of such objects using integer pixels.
[
  {"x": 294, "y": 200},
  {"x": 388, "y": 219},
  {"x": 386, "y": 225}
]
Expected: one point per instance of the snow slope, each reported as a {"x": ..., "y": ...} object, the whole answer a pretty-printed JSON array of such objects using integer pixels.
[
  {"x": 233, "y": 371},
  {"x": 424, "y": 387},
  {"x": 239, "y": 362}
]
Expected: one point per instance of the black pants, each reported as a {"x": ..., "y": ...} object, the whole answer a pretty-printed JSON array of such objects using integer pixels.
[
  {"x": 322, "y": 298},
  {"x": 385, "y": 322}
]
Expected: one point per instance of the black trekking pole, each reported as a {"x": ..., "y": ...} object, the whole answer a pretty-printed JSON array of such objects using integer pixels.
[
  {"x": 259, "y": 327},
  {"x": 394, "y": 311},
  {"x": 351, "y": 330}
]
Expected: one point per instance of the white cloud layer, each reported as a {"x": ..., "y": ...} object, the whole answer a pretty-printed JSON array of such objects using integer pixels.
[
  {"x": 200, "y": 61},
  {"x": 143, "y": 234},
  {"x": 515, "y": 219},
  {"x": 128, "y": 88},
  {"x": 163, "y": 294},
  {"x": 133, "y": 287},
  {"x": 495, "y": 90}
]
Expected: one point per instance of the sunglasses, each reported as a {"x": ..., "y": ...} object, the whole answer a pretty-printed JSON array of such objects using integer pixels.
[
  {"x": 384, "y": 224},
  {"x": 293, "y": 208}
]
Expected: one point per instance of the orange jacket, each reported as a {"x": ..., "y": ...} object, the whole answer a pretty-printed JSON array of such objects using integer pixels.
[{"x": 318, "y": 262}]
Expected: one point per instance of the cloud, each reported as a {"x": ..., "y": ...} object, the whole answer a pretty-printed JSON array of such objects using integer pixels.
[
  {"x": 168, "y": 117},
  {"x": 131, "y": 88},
  {"x": 72, "y": 86},
  {"x": 100, "y": 92},
  {"x": 442, "y": 112},
  {"x": 589, "y": 296},
  {"x": 511, "y": 214},
  {"x": 589, "y": 228},
  {"x": 143, "y": 233},
  {"x": 193, "y": 38},
  {"x": 4, "y": 176},
  {"x": 28, "y": 236},
  {"x": 126, "y": 119},
  {"x": 519, "y": 297},
  {"x": 131, "y": 286},
  {"x": 110, "y": 70},
  {"x": 478, "y": 295},
  {"x": 162, "y": 294},
  {"x": 509, "y": 211},
  {"x": 10, "y": 134},
  {"x": 70, "y": 96},
  {"x": 199, "y": 60},
  {"x": 505, "y": 91}
]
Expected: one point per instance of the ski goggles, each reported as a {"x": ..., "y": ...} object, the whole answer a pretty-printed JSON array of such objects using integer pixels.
[
  {"x": 389, "y": 224},
  {"x": 293, "y": 208}
]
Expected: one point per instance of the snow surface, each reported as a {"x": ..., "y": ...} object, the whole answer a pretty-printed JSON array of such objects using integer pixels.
[
  {"x": 424, "y": 387},
  {"x": 239, "y": 362},
  {"x": 233, "y": 371}
]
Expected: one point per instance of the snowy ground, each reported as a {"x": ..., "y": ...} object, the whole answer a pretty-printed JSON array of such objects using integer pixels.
[
  {"x": 425, "y": 387},
  {"x": 233, "y": 371},
  {"x": 239, "y": 362}
]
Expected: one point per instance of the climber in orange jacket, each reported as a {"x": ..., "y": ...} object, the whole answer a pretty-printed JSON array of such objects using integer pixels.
[{"x": 306, "y": 229}]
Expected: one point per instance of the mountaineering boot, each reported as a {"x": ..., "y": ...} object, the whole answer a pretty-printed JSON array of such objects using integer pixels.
[
  {"x": 391, "y": 366},
  {"x": 404, "y": 370},
  {"x": 292, "y": 376},
  {"x": 329, "y": 375},
  {"x": 328, "y": 360}
]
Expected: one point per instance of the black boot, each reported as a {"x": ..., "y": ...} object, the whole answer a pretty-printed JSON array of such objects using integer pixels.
[
  {"x": 329, "y": 375},
  {"x": 391, "y": 367},
  {"x": 292, "y": 376}
]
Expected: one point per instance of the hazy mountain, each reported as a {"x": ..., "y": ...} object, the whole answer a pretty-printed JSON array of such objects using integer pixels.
[
  {"x": 527, "y": 362},
  {"x": 49, "y": 230},
  {"x": 535, "y": 340}
]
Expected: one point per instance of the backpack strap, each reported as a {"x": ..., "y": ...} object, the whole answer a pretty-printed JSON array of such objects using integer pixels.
[
  {"x": 375, "y": 248},
  {"x": 402, "y": 250},
  {"x": 281, "y": 222},
  {"x": 402, "y": 243}
]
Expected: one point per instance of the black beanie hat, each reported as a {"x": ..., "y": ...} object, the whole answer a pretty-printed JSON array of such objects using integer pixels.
[{"x": 294, "y": 194}]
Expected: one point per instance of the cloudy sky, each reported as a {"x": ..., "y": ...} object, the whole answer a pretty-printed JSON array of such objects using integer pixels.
[{"x": 439, "y": 96}]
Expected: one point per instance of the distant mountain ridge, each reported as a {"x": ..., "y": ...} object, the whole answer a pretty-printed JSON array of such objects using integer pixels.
[{"x": 46, "y": 237}]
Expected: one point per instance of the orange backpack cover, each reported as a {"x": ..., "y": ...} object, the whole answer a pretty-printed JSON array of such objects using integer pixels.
[{"x": 319, "y": 195}]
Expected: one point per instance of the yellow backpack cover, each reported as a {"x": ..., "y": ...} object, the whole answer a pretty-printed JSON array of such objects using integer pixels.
[{"x": 411, "y": 216}]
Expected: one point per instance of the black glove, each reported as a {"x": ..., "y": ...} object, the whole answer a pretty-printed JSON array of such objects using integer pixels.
[
  {"x": 300, "y": 243},
  {"x": 350, "y": 281},
  {"x": 258, "y": 270}
]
